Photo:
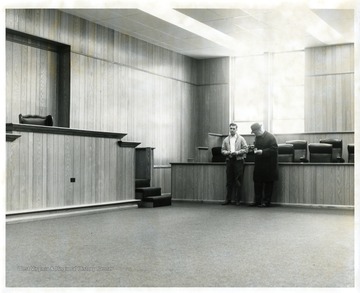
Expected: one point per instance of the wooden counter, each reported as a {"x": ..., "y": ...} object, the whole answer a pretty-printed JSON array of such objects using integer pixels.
[
  {"x": 55, "y": 167},
  {"x": 325, "y": 184}
]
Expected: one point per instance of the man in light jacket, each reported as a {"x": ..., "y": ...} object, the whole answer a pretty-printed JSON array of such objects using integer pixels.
[{"x": 235, "y": 148}]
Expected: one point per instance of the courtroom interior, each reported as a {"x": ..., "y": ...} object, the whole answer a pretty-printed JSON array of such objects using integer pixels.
[{"x": 115, "y": 121}]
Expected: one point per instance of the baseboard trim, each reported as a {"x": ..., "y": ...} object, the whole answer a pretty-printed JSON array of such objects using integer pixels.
[
  {"x": 25, "y": 216},
  {"x": 74, "y": 207},
  {"x": 298, "y": 205}
]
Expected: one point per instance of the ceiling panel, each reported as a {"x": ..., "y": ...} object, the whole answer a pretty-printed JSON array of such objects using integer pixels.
[
  {"x": 155, "y": 35},
  {"x": 177, "y": 32},
  {"x": 101, "y": 14},
  {"x": 200, "y": 14},
  {"x": 148, "y": 20},
  {"x": 249, "y": 23},
  {"x": 224, "y": 25},
  {"x": 229, "y": 13},
  {"x": 123, "y": 24},
  {"x": 331, "y": 15},
  {"x": 255, "y": 30}
]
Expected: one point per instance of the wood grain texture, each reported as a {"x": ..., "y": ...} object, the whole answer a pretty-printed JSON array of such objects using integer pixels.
[
  {"x": 31, "y": 81},
  {"x": 213, "y": 97},
  {"x": 122, "y": 84},
  {"x": 118, "y": 83},
  {"x": 313, "y": 184},
  {"x": 39, "y": 168},
  {"x": 162, "y": 178},
  {"x": 146, "y": 106},
  {"x": 329, "y": 88}
]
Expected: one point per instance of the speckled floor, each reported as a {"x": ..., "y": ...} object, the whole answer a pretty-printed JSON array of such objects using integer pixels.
[{"x": 185, "y": 245}]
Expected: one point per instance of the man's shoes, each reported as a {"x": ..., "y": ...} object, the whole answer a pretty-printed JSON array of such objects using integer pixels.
[
  {"x": 254, "y": 204},
  {"x": 264, "y": 205},
  {"x": 226, "y": 202},
  {"x": 237, "y": 203}
]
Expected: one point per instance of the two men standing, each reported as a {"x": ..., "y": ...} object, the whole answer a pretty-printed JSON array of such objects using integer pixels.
[{"x": 235, "y": 148}]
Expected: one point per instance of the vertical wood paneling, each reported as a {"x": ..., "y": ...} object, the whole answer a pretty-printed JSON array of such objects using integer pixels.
[
  {"x": 45, "y": 174},
  {"x": 112, "y": 176},
  {"x": 213, "y": 97},
  {"x": 28, "y": 140},
  {"x": 329, "y": 88},
  {"x": 183, "y": 189},
  {"x": 31, "y": 86},
  {"x": 39, "y": 168},
  {"x": 309, "y": 186},
  {"x": 129, "y": 154},
  {"x": 329, "y": 187},
  {"x": 76, "y": 90},
  {"x": 162, "y": 177},
  {"x": 23, "y": 173},
  {"x": 319, "y": 186},
  {"x": 37, "y": 172},
  {"x": 86, "y": 164},
  {"x": 297, "y": 184},
  {"x": 13, "y": 174},
  {"x": 60, "y": 199},
  {"x": 301, "y": 187},
  {"x": 9, "y": 77},
  {"x": 24, "y": 84},
  {"x": 106, "y": 171},
  {"x": 285, "y": 185},
  {"x": 68, "y": 169},
  {"x": 349, "y": 187},
  {"x": 51, "y": 174},
  {"x": 77, "y": 171},
  {"x": 92, "y": 175},
  {"x": 118, "y": 83}
]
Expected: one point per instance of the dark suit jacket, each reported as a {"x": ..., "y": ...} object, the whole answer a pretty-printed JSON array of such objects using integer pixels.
[{"x": 266, "y": 165}]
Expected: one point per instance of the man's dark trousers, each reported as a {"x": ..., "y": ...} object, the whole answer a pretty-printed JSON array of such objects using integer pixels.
[
  {"x": 263, "y": 191},
  {"x": 234, "y": 175}
]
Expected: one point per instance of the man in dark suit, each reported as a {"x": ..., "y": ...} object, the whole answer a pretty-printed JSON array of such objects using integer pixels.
[{"x": 266, "y": 165}]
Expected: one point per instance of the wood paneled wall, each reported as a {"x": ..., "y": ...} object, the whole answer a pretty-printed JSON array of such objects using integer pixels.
[
  {"x": 154, "y": 110},
  {"x": 213, "y": 97},
  {"x": 310, "y": 184},
  {"x": 40, "y": 165},
  {"x": 160, "y": 98},
  {"x": 30, "y": 81},
  {"x": 329, "y": 88},
  {"x": 121, "y": 84},
  {"x": 162, "y": 177}
]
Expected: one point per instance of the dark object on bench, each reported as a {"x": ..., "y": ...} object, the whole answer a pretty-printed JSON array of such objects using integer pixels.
[
  {"x": 337, "y": 147},
  {"x": 351, "y": 149},
  {"x": 285, "y": 152},
  {"x": 320, "y": 152},
  {"x": 217, "y": 156},
  {"x": 300, "y": 150},
  {"x": 36, "y": 120}
]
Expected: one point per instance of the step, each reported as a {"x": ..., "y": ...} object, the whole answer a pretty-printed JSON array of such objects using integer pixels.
[
  {"x": 156, "y": 201},
  {"x": 143, "y": 192}
]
